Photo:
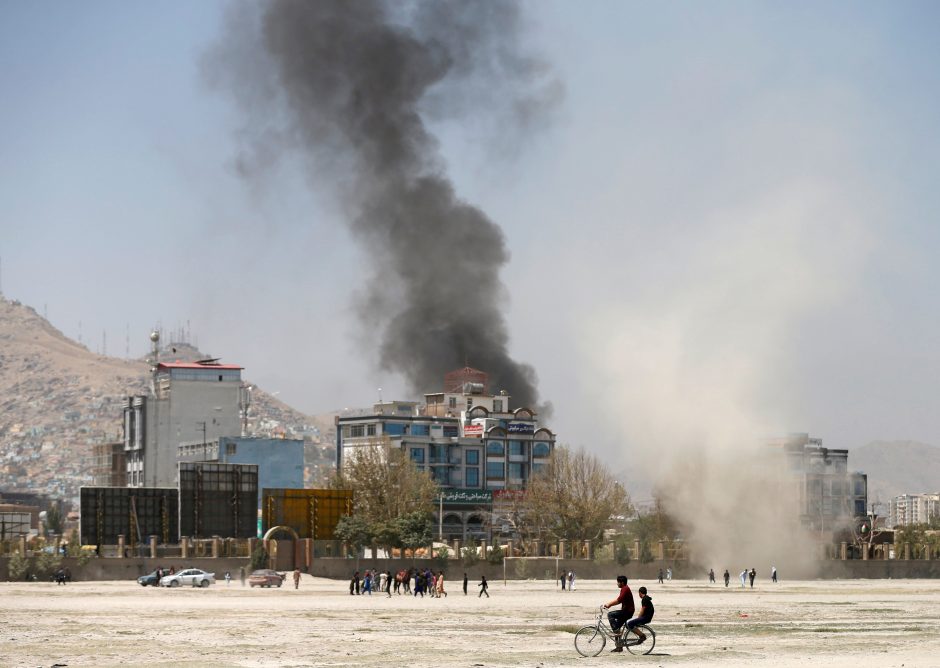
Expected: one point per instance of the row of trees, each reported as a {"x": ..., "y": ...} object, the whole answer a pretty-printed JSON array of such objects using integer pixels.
[{"x": 574, "y": 498}]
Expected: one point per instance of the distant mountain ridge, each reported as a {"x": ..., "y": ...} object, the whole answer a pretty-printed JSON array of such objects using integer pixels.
[
  {"x": 58, "y": 400},
  {"x": 897, "y": 467}
]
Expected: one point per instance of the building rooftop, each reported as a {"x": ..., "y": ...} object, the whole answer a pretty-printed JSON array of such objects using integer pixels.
[{"x": 213, "y": 365}]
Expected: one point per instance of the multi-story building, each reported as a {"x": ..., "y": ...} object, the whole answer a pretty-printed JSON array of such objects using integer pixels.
[
  {"x": 473, "y": 444},
  {"x": 909, "y": 509},
  {"x": 829, "y": 495},
  {"x": 280, "y": 461},
  {"x": 190, "y": 401}
]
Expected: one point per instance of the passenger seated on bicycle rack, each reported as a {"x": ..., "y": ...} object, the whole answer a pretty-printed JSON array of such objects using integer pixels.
[
  {"x": 645, "y": 616},
  {"x": 617, "y": 618}
]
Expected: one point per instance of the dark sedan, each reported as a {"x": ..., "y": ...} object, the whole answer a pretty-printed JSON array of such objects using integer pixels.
[
  {"x": 149, "y": 579},
  {"x": 266, "y": 578}
]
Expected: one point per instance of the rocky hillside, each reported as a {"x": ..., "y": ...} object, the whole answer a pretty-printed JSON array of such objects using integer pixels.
[{"x": 58, "y": 399}]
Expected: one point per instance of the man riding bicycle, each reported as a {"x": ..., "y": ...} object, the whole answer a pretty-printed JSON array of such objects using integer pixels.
[{"x": 618, "y": 618}]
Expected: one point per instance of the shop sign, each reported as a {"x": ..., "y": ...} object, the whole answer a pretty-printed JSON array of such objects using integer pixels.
[{"x": 469, "y": 497}]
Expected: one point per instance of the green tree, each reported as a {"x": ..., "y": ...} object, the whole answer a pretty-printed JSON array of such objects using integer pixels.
[
  {"x": 575, "y": 497},
  {"x": 386, "y": 486},
  {"x": 356, "y": 531},
  {"x": 415, "y": 530},
  {"x": 54, "y": 520}
]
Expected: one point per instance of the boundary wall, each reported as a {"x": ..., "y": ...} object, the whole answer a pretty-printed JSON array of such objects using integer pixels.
[{"x": 544, "y": 568}]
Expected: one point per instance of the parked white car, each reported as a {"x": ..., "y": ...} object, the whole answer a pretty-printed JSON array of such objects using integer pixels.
[{"x": 191, "y": 576}]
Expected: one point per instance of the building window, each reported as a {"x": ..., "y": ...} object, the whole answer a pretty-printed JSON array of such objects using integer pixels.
[
  {"x": 452, "y": 402},
  {"x": 394, "y": 428},
  {"x": 497, "y": 405},
  {"x": 357, "y": 430},
  {"x": 420, "y": 430},
  {"x": 472, "y": 477},
  {"x": 495, "y": 470},
  {"x": 515, "y": 448},
  {"x": 541, "y": 450},
  {"x": 859, "y": 507},
  {"x": 860, "y": 491},
  {"x": 515, "y": 470},
  {"x": 495, "y": 448},
  {"x": 469, "y": 403},
  {"x": 473, "y": 456},
  {"x": 417, "y": 455},
  {"x": 450, "y": 431},
  {"x": 370, "y": 430},
  {"x": 231, "y": 448}
]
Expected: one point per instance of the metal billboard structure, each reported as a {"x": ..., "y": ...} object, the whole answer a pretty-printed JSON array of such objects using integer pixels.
[
  {"x": 312, "y": 513},
  {"x": 218, "y": 500},
  {"x": 133, "y": 512}
]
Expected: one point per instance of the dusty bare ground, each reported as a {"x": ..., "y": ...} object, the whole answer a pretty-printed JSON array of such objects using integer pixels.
[{"x": 836, "y": 623}]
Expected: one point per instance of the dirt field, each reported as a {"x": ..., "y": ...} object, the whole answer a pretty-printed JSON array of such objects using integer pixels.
[{"x": 853, "y": 623}]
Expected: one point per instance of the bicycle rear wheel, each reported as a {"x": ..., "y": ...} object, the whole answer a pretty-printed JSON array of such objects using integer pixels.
[
  {"x": 633, "y": 644},
  {"x": 589, "y": 641}
]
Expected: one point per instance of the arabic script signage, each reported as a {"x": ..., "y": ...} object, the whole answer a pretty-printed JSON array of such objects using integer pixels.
[
  {"x": 520, "y": 428},
  {"x": 471, "y": 497}
]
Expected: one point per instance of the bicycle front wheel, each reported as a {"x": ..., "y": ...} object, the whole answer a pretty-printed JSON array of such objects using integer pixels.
[
  {"x": 589, "y": 641},
  {"x": 633, "y": 644}
]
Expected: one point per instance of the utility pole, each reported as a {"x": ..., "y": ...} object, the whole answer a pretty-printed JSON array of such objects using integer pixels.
[{"x": 204, "y": 446}]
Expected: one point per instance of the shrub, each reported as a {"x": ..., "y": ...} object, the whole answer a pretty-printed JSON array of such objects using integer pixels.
[
  {"x": 441, "y": 557},
  {"x": 259, "y": 558},
  {"x": 18, "y": 566},
  {"x": 496, "y": 555},
  {"x": 470, "y": 553}
]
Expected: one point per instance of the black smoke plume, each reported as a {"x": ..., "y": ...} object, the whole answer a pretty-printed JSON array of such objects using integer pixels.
[{"x": 352, "y": 84}]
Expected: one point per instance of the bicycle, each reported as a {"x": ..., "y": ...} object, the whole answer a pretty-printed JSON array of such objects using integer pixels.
[{"x": 591, "y": 640}]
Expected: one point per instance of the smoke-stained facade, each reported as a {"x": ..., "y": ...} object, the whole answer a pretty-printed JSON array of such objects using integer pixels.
[{"x": 352, "y": 85}]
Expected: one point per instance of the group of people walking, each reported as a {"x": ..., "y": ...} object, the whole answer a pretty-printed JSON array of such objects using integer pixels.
[
  {"x": 413, "y": 581},
  {"x": 745, "y": 576},
  {"x": 569, "y": 577}
]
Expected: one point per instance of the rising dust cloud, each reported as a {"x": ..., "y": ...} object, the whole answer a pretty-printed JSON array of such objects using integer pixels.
[{"x": 352, "y": 87}]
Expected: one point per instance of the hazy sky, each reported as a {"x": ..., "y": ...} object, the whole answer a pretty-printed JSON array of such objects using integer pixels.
[{"x": 730, "y": 217}]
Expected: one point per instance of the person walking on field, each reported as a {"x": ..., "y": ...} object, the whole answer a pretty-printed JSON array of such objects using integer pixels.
[
  {"x": 483, "y": 587},
  {"x": 711, "y": 576},
  {"x": 241, "y": 575},
  {"x": 752, "y": 575},
  {"x": 440, "y": 585},
  {"x": 743, "y": 577},
  {"x": 727, "y": 577},
  {"x": 660, "y": 576},
  {"x": 571, "y": 577},
  {"x": 564, "y": 578},
  {"x": 773, "y": 573},
  {"x": 464, "y": 584},
  {"x": 296, "y": 578}
]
